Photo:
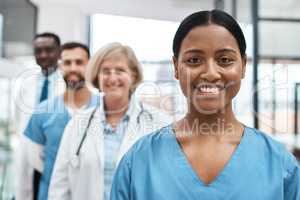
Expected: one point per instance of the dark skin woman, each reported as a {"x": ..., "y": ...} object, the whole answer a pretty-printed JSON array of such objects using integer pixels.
[{"x": 209, "y": 154}]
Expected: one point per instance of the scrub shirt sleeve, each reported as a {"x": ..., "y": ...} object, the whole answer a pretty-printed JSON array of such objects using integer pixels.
[
  {"x": 291, "y": 178},
  {"x": 34, "y": 141},
  {"x": 34, "y": 129},
  {"x": 122, "y": 180}
]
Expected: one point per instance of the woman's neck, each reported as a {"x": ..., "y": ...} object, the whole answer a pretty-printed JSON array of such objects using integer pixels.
[
  {"x": 115, "y": 108},
  {"x": 220, "y": 124}
]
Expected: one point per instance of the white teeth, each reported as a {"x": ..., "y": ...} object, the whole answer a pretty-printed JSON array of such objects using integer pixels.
[{"x": 206, "y": 89}]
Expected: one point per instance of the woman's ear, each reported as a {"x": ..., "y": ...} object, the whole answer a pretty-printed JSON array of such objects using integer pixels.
[
  {"x": 244, "y": 63},
  {"x": 175, "y": 63}
]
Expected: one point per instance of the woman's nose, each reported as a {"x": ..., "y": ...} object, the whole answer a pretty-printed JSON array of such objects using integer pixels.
[
  {"x": 210, "y": 72},
  {"x": 112, "y": 76}
]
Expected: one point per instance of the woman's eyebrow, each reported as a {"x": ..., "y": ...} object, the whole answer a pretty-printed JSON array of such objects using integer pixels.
[
  {"x": 194, "y": 51},
  {"x": 226, "y": 50}
]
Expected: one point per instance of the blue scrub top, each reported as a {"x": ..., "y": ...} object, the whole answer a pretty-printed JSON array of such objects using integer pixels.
[
  {"x": 46, "y": 127},
  {"x": 157, "y": 168}
]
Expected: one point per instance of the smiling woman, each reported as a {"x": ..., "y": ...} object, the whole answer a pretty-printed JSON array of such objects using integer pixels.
[
  {"x": 210, "y": 67},
  {"x": 208, "y": 154}
]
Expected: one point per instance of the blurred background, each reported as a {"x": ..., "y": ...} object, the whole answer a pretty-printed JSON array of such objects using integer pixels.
[{"x": 269, "y": 97}]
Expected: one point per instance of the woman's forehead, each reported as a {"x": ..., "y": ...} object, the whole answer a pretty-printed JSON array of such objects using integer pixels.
[
  {"x": 209, "y": 37},
  {"x": 115, "y": 61},
  {"x": 115, "y": 56}
]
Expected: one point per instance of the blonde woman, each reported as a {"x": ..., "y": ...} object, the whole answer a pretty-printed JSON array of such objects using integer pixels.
[{"x": 95, "y": 141}]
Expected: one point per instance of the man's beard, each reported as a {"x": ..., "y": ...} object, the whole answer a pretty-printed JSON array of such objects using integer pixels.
[{"x": 74, "y": 85}]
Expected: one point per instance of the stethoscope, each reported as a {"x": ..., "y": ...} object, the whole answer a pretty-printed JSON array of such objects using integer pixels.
[{"x": 75, "y": 161}]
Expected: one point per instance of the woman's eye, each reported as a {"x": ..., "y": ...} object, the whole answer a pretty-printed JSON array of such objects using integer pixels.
[
  {"x": 119, "y": 71},
  {"x": 104, "y": 72},
  {"x": 225, "y": 61},
  {"x": 194, "y": 61}
]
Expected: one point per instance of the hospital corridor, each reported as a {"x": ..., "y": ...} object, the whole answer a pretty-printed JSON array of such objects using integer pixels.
[{"x": 149, "y": 100}]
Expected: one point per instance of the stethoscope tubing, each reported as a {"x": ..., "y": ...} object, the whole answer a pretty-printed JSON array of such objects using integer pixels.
[
  {"x": 85, "y": 131},
  {"x": 91, "y": 118}
]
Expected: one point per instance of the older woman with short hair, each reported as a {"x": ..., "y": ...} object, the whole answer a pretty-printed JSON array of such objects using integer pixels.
[{"x": 94, "y": 141}]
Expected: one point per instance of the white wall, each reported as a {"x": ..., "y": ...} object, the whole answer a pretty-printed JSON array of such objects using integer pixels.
[{"x": 68, "y": 18}]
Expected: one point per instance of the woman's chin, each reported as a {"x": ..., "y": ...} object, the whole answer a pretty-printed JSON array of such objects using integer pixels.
[
  {"x": 208, "y": 107},
  {"x": 115, "y": 95}
]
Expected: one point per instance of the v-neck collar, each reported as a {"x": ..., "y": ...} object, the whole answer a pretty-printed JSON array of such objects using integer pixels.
[{"x": 224, "y": 176}]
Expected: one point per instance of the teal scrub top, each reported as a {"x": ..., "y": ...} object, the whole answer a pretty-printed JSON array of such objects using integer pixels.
[
  {"x": 156, "y": 168},
  {"x": 46, "y": 127}
]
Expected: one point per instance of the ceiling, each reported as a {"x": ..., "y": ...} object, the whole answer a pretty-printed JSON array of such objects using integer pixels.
[{"x": 175, "y": 10}]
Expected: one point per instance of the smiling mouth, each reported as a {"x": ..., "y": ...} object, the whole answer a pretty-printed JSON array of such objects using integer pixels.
[
  {"x": 209, "y": 89},
  {"x": 114, "y": 87}
]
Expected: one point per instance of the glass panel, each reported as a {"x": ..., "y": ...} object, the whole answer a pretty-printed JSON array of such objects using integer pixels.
[
  {"x": 244, "y": 11},
  {"x": 279, "y": 8},
  {"x": 160, "y": 89},
  {"x": 283, "y": 41},
  {"x": 243, "y": 102},
  {"x": 277, "y": 81}
]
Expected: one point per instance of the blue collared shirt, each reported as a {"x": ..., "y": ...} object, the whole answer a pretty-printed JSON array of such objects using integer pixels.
[
  {"x": 46, "y": 128},
  {"x": 112, "y": 142}
]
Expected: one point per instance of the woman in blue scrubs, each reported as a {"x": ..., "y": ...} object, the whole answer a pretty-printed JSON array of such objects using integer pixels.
[{"x": 209, "y": 154}]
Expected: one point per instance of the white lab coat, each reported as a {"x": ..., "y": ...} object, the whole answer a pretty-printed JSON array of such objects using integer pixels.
[
  {"x": 25, "y": 92},
  {"x": 72, "y": 180}
]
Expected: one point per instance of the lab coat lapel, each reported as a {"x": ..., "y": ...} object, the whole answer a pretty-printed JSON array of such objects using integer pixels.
[
  {"x": 96, "y": 130},
  {"x": 132, "y": 132}
]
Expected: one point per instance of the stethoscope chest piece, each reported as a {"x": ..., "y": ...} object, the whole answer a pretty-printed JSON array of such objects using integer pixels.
[{"x": 75, "y": 161}]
